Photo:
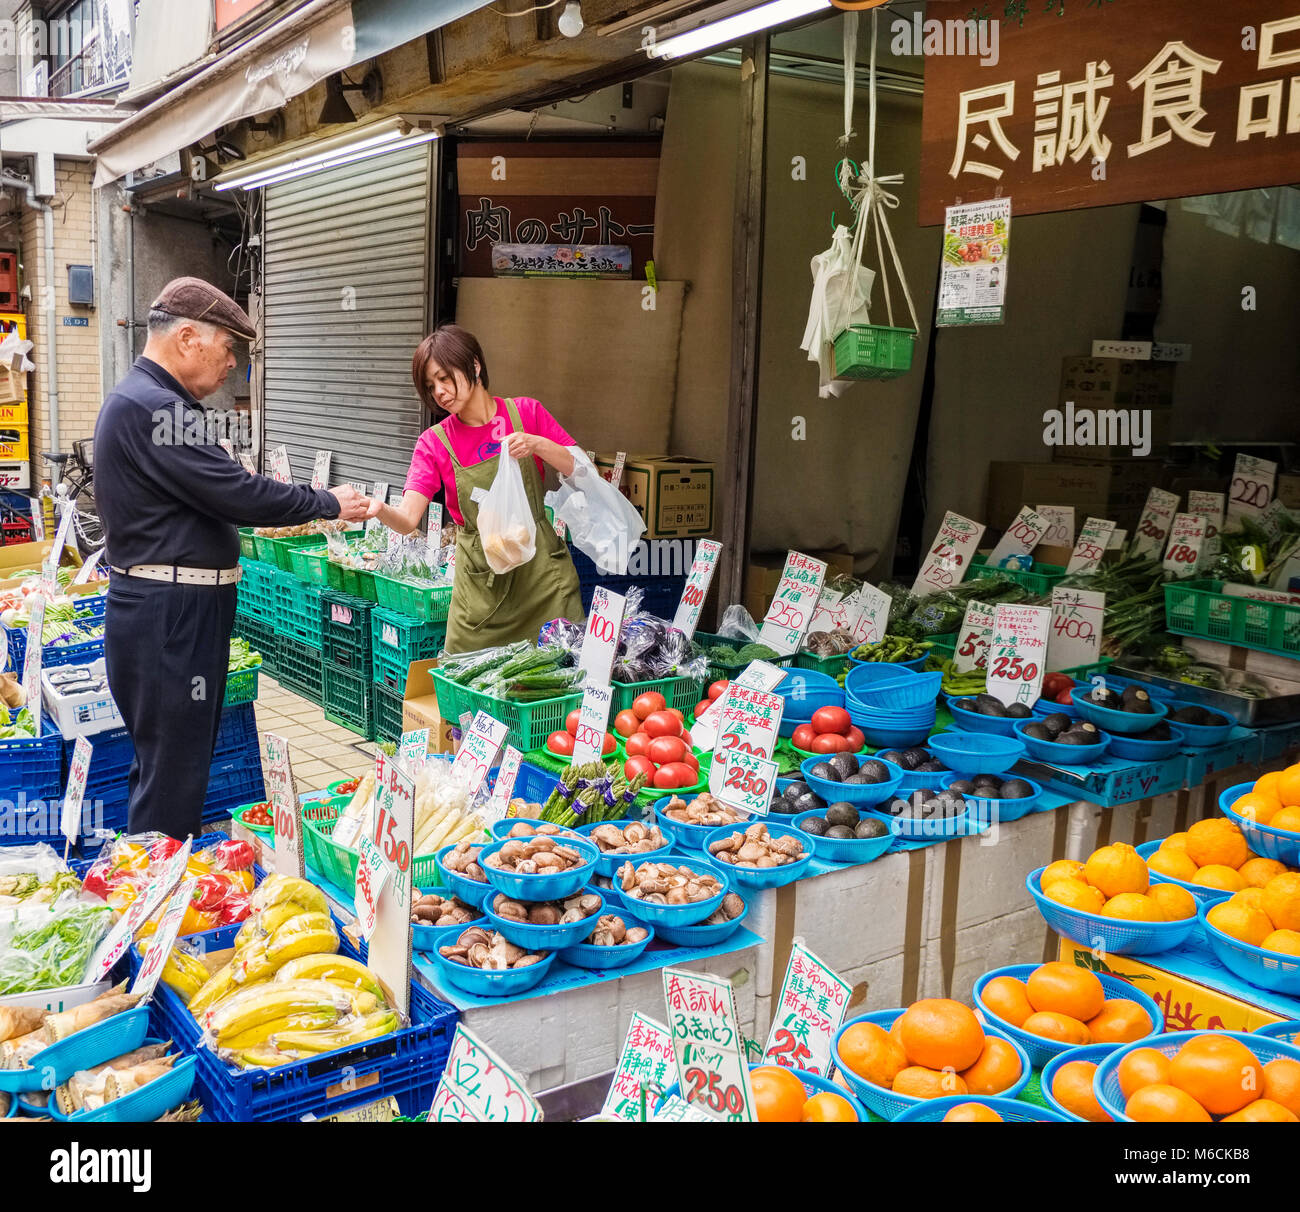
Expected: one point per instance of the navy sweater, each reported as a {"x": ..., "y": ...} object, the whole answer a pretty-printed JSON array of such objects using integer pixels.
[{"x": 167, "y": 494}]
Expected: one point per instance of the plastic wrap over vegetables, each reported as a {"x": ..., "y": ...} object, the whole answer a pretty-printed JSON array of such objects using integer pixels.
[
  {"x": 49, "y": 946},
  {"x": 562, "y": 635},
  {"x": 738, "y": 624}
]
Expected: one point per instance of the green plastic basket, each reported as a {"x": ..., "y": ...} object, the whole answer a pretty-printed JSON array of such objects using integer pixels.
[
  {"x": 873, "y": 351},
  {"x": 308, "y": 564},
  {"x": 348, "y": 700},
  {"x": 529, "y": 724},
  {"x": 355, "y": 581},
  {"x": 241, "y": 686},
  {"x": 266, "y": 831},
  {"x": 300, "y": 669},
  {"x": 336, "y": 863},
  {"x": 1038, "y": 581},
  {"x": 398, "y": 639},
  {"x": 832, "y": 666},
  {"x": 1201, "y": 608},
  {"x": 387, "y": 709},
  {"x": 276, "y": 551},
  {"x": 247, "y": 543},
  {"x": 682, "y": 693},
  {"x": 944, "y": 644},
  {"x": 429, "y": 603},
  {"x": 729, "y": 669}
]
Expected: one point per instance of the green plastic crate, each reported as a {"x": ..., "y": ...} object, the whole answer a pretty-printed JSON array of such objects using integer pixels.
[
  {"x": 1038, "y": 581},
  {"x": 1201, "y": 608},
  {"x": 529, "y": 723},
  {"x": 261, "y": 638},
  {"x": 728, "y": 669},
  {"x": 832, "y": 666},
  {"x": 241, "y": 686},
  {"x": 256, "y": 593},
  {"x": 297, "y": 611},
  {"x": 430, "y": 603},
  {"x": 1082, "y": 673},
  {"x": 276, "y": 551},
  {"x": 396, "y": 640},
  {"x": 387, "y": 710},
  {"x": 336, "y": 863},
  {"x": 345, "y": 631},
  {"x": 873, "y": 351},
  {"x": 682, "y": 693},
  {"x": 308, "y": 564},
  {"x": 300, "y": 669},
  {"x": 348, "y": 700},
  {"x": 247, "y": 543},
  {"x": 355, "y": 581}
]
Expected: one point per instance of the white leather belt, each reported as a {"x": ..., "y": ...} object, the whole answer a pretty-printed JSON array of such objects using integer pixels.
[{"x": 175, "y": 574}]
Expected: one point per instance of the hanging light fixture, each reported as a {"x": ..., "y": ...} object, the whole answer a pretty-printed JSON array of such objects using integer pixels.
[
  {"x": 336, "y": 111},
  {"x": 570, "y": 23}
]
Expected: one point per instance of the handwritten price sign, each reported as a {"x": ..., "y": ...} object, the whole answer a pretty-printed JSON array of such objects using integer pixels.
[
  {"x": 1252, "y": 486},
  {"x": 280, "y": 469},
  {"x": 1077, "y": 619},
  {"x": 1091, "y": 546},
  {"x": 813, "y": 1003},
  {"x": 697, "y": 585},
  {"x": 949, "y": 557},
  {"x": 137, "y": 913},
  {"x": 1210, "y": 506},
  {"x": 604, "y": 622},
  {"x": 413, "y": 749},
  {"x": 831, "y": 611},
  {"x": 644, "y": 1065},
  {"x": 707, "y": 1045},
  {"x": 479, "y": 748},
  {"x": 1186, "y": 541},
  {"x": 972, "y": 651},
  {"x": 164, "y": 938},
  {"x": 388, "y": 845},
  {"x": 433, "y": 539},
  {"x": 1021, "y": 537},
  {"x": 748, "y": 723},
  {"x": 793, "y": 604},
  {"x": 1060, "y": 525},
  {"x": 285, "y": 809},
  {"x": 504, "y": 787},
  {"x": 757, "y": 675},
  {"x": 1018, "y": 653},
  {"x": 747, "y": 781},
  {"x": 870, "y": 606},
  {"x": 593, "y": 719},
  {"x": 478, "y": 1087},
  {"x": 70, "y": 822},
  {"x": 320, "y": 470},
  {"x": 1154, "y": 525},
  {"x": 32, "y": 657}
]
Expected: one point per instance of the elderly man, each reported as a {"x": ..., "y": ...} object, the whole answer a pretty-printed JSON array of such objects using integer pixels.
[{"x": 170, "y": 499}]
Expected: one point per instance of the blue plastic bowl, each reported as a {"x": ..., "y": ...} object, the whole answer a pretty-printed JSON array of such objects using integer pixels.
[
  {"x": 1062, "y": 755},
  {"x": 1092, "y": 1053},
  {"x": 1116, "y": 936},
  {"x": 763, "y": 877},
  {"x": 1012, "y": 1110},
  {"x": 972, "y": 721},
  {"x": 1126, "y": 723},
  {"x": 851, "y": 793},
  {"x": 844, "y": 849},
  {"x": 1003, "y": 811},
  {"x": 141, "y": 1106},
  {"x": 1113, "y": 682},
  {"x": 790, "y": 721},
  {"x": 545, "y": 938},
  {"x": 501, "y": 829},
  {"x": 890, "y": 717},
  {"x": 1140, "y": 749},
  {"x": 470, "y": 891},
  {"x": 607, "y": 864},
  {"x": 904, "y": 692},
  {"x": 1045, "y": 707},
  {"x": 504, "y": 982},
  {"x": 889, "y": 1105},
  {"x": 1264, "y": 969},
  {"x": 812, "y": 1084},
  {"x": 679, "y": 915},
  {"x": 1288, "y": 1031},
  {"x": 891, "y": 737},
  {"x": 913, "y": 829},
  {"x": 688, "y": 837},
  {"x": 805, "y": 690},
  {"x": 1262, "y": 839},
  {"x": 917, "y": 780},
  {"x": 701, "y": 934},
  {"x": 430, "y": 938},
  {"x": 53, "y": 1065},
  {"x": 1201, "y": 736},
  {"x": 914, "y": 666},
  {"x": 977, "y": 752},
  {"x": 541, "y": 887},
  {"x": 1041, "y": 1050},
  {"x": 588, "y": 955},
  {"x": 1106, "y": 1083},
  {"x": 1198, "y": 891}
]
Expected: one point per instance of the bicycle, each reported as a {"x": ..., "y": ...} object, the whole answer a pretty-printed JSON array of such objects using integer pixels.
[{"x": 76, "y": 490}]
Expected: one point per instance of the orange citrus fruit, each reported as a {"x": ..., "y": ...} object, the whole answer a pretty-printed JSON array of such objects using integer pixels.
[
  {"x": 1282, "y": 900},
  {"x": 972, "y": 1113},
  {"x": 1284, "y": 942},
  {"x": 1005, "y": 996},
  {"x": 1060, "y": 1027},
  {"x": 1173, "y": 863},
  {"x": 1262, "y": 1111},
  {"x": 1217, "y": 875},
  {"x": 1067, "y": 989},
  {"x": 997, "y": 1069},
  {"x": 1241, "y": 922},
  {"x": 1133, "y": 907},
  {"x": 1258, "y": 871},
  {"x": 939, "y": 1033},
  {"x": 779, "y": 1096},
  {"x": 896, "y": 1031},
  {"x": 1116, "y": 868},
  {"x": 1120, "y": 1022},
  {"x": 869, "y": 1052},
  {"x": 1164, "y": 1104},
  {"x": 1256, "y": 807},
  {"x": 1142, "y": 1067},
  {"x": 1220, "y": 1073},
  {"x": 1266, "y": 784},
  {"x": 1288, "y": 820},
  {"x": 1174, "y": 902},
  {"x": 1075, "y": 894},
  {"x": 1254, "y": 897},
  {"x": 918, "y": 1081},
  {"x": 1072, "y": 1088},
  {"x": 1288, "y": 785},
  {"x": 828, "y": 1108},
  {"x": 1062, "y": 869},
  {"x": 1217, "y": 842},
  {"x": 1282, "y": 1083},
  {"x": 1175, "y": 841}
]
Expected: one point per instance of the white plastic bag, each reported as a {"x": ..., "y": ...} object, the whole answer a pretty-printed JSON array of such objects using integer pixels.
[
  {"x": 505, "y": 522},
  {"x": 603, "y": 524}
]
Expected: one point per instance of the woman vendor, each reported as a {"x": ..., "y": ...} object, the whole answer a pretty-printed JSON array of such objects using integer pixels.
[{"x": 460, "y": 454}]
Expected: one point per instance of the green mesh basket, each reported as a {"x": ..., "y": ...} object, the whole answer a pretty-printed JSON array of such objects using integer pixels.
[{"x": 873, "y": 351}]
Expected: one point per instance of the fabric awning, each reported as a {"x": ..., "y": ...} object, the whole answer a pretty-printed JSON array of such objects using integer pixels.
[{"x": 319, "y": 39}]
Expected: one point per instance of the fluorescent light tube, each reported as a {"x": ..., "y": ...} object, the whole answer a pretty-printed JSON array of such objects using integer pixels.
[
  {"x": 289, "y": 172},
  {"x": 731, "y": 30}
]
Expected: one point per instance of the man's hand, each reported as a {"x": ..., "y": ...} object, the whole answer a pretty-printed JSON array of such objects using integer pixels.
[{"x": 353, "y": 507}]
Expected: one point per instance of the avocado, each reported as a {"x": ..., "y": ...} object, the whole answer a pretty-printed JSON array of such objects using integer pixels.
[
  {"x": 933, "y": 766},
  {"x": 1136, "y": 699},
  {"x": 795, "y": 788},
  {"x": 870, "y": 827},
  {"x": 1085, "y": 726},
  {"x": 916, "y": 755},
  {"x": 1039, "y": 731},
  {"x": 845, "y": 764},
  {"x": 842, "y": 832},
  {"x": 1191, "y": 715},
  {"x": 1056, "y": 723},
  {"x": 1076, "y": 737},
  {"x": 1103, "y": 697},
  {"x": 962, "y": 786},
  {"x": 890, "y": 755},
  {"x": 988, "y": 791},
  {"x": 809, "y": 802},
  {"x": 964, "y": 704},
  {"x": 842, "y": 813},
  {"x": 782, "y": 806},
  {"x": 1016, "y": 789},
  {"x": 814, "y": 825},
  {"x": 896, "y": 806},
  {"x": 824, "y": 770},
  {"x": 859, "y": 779},
  {"x": 1160, "y": 732},
  {"x": 1018, "y": 711},
  {"x": 986, "y": 704},
  {"x": 877, "y": 772}
]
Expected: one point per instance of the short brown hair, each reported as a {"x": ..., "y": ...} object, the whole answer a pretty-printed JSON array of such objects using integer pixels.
[{"x": 454, "y": 349}]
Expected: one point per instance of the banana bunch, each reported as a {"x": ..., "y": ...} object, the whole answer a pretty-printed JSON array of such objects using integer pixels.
[{"x": 184, "y": 973}]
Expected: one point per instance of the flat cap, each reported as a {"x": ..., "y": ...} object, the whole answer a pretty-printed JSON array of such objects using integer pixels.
[{"x": 195, "y": 299}]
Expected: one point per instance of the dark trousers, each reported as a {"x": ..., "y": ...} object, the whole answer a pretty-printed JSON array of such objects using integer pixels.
[{"x": 166, "y": 649}]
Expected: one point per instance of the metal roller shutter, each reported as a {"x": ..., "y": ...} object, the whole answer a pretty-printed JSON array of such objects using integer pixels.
[{"x": 346, "y": 289}]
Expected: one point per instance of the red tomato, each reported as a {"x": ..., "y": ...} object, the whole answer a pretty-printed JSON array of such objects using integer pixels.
[
  {"x": 681, "y": 774},
  {"x": 686, "y": 738},
  {"x": 665, "y": 779},
  {"x": 718, "y": 687},
  {"x": 649, "y": 702},
  {"x": 571, "y": 721},
  {"x": 827, "y": 742},
  {"x": 637, "y": 744},
  {"x": 1054, "y": 683},
  {"x": 677, "y": 711},
  {"x": 803, "y": 737},
  {"x": 857, "y": 741},
  {"x": 626, "y": 723},
  {"x": 665, "y": 749},
  {"x": 1064, "y": 697},
  {"x": 609, "y": 744},
  {"x": 701, "y": 707},
  {"x": 662, "y": 723},
  {"x": 831, "y": 719},
  {"x": 560, "y": 743},
  {"x": 689, "y": 759},
  {"x": 638, "y": 765}
]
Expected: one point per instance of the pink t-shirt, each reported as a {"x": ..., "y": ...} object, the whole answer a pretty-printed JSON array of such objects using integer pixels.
[{"x": 431, "y": 467}]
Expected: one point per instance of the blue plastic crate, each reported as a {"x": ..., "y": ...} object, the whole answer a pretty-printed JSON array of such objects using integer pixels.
[
  {"x": 406, "y": 1064},
  {"x": 232, "y": 783},
  {"x": 238, "y": 730},
  {"x": 51, "y": 655},
  {"x": 661, "y": 593}
]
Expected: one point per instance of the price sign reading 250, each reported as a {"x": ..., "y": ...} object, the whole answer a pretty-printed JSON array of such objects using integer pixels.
[{"x": 709, "y": 1088}]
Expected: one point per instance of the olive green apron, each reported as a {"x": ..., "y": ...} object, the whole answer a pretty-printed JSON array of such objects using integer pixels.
[{"x": 488, "y": 608}]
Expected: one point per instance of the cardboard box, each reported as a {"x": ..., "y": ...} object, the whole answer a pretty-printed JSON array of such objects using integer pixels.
[
  {"x": 420, "y": 708},
  {"x": 1129, "y": 482},
  {"x": 764, "y": 575},
  {"x": 1117, "y": 383},
  {"x": 673, "y": 493},
  {"x": 1288, "y": 491},
  {"x": 28, "y": 556},
  {"x": 1011, "y": 485}
]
